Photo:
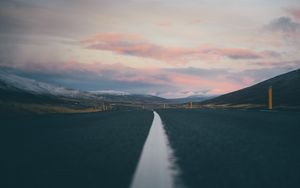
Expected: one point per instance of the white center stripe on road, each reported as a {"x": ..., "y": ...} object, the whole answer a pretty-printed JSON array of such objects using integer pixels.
[{"x": 155, "y": 168}]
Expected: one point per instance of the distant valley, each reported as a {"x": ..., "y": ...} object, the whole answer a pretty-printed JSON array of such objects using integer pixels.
[{"x": 20, "y": 94}]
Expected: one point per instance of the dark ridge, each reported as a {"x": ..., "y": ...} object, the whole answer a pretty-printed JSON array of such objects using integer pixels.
[{"x": 286, "y": 92}]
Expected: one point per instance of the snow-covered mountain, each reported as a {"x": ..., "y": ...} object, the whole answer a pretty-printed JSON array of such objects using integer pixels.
[
  {"x": 109, "y": 92},
  {"x": 19, "y": 94},
  {"x": 124, "y": 97},
  {"x": 192, "y": 98},
  {"x": 13, "y": 82}
]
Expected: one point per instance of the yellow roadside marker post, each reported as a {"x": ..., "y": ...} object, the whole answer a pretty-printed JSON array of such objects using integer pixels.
[{"x": 270, "y": 98}]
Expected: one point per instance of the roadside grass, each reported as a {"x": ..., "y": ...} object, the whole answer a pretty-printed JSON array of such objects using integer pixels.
[{"x": 18, "y": 107}]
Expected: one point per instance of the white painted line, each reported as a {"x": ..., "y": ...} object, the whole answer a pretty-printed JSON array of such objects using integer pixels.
[{"x": 155, "y": 168}]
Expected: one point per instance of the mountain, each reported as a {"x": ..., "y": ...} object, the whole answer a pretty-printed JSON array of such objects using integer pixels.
[
  {"x": 16, "y": 83},
  {"x": 109, "y": 92},
  {"x": 286, "y": 93},
  {"x": 193, "y": 98},
  {"x": 123, "y": 97},
  {"x": 22, "y": 94}
]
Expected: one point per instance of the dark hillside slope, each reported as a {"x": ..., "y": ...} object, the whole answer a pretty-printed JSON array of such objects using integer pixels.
[
  {"x": 286, "y": 92},
  {"x": 17, "y": 99}
]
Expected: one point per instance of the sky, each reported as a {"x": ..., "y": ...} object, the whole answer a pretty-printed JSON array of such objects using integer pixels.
[{"x": 168, "y": 48}]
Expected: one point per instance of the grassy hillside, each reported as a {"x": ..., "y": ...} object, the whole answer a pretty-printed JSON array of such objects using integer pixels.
[
  {"x": 22, "y": 95},
  {"x": 21, "y": 102},
  {"x": 133, "y": 98},
  {"x": 286, "y": 92}
]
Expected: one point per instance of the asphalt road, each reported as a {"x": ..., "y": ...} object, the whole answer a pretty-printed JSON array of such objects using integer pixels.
[
  {"x": 213, "y": 148},
  {"x": 81, "y": 150},
  {"x": 235, "y": 148},
  {"x": 155, "y": 169}
]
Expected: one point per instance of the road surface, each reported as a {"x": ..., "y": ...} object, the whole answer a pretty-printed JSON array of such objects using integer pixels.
[
  {"x": 235, "y": 148},
  {"x": 155, "y": 167}
]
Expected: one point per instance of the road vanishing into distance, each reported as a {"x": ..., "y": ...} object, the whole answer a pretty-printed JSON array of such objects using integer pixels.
[
  {"x": 156, "y": 167},
  {"x": 210, "y": 148}
]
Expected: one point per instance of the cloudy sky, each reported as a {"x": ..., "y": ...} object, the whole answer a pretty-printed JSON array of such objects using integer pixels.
[{"x": 169, "y": 48}]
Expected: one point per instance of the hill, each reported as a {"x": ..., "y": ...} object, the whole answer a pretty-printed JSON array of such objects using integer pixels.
[
  {"x": 286, "y": 93},
  {"x": 121, "y": 97},
  {"x": 192, "y": 98},
  {"x": 20, "y": 94}
]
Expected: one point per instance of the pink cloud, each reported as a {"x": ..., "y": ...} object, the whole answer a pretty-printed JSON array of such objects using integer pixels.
[
  {"x": 295, "y": 12},
  {"x": 236, "y": 53},
  {"x": 111, "y": 37},
  {"x": 197, "y": 21},
  {"x": 164, "y": 24},
  {"x": 135, "y": 45},
  {"x": 116, "y": 71},
  {"x": 121, "y": 73},
  {"x": 214, "y": 86},
  {"x": 248, "y": 80},
  {"x": 159, "y": 80}
]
